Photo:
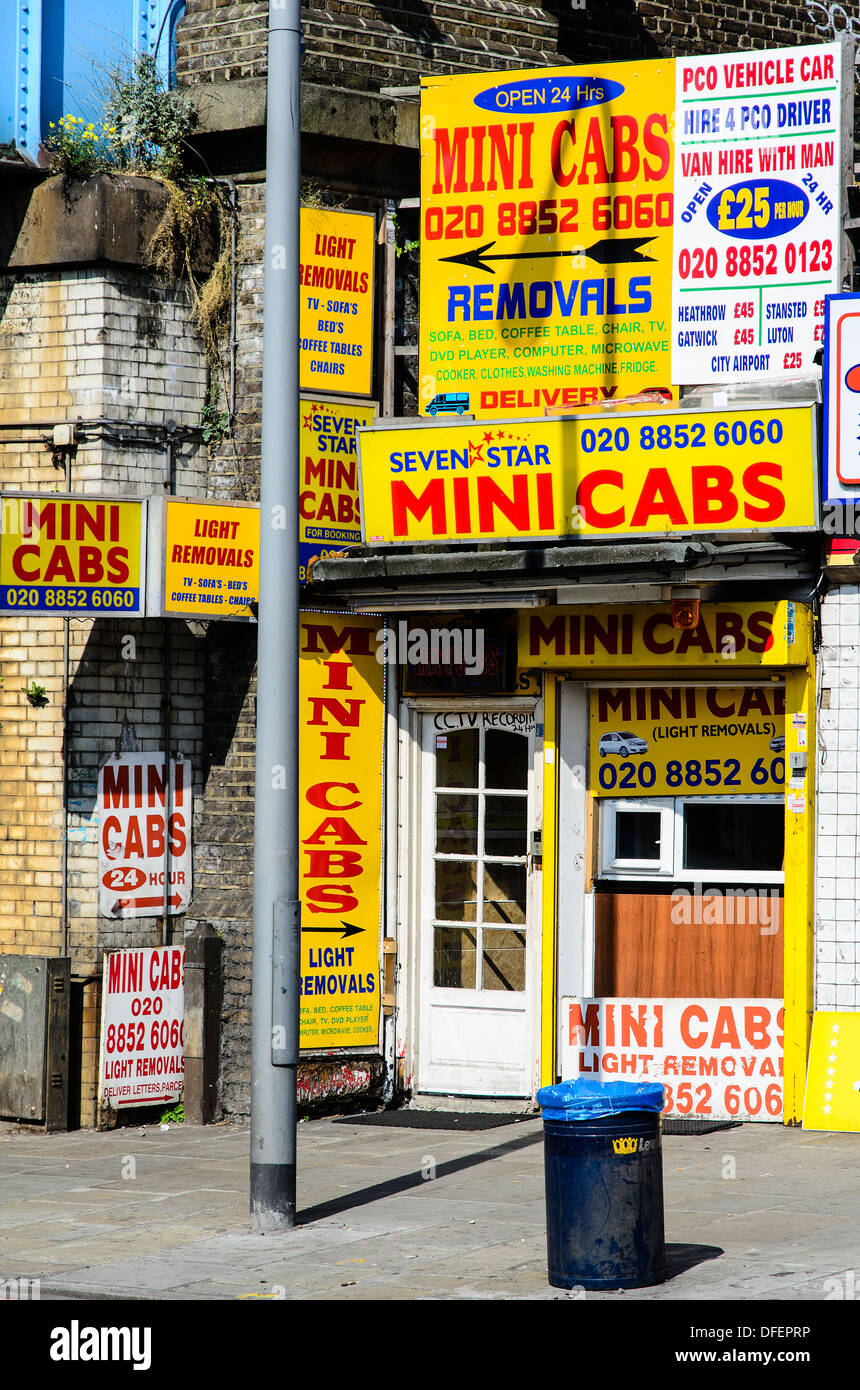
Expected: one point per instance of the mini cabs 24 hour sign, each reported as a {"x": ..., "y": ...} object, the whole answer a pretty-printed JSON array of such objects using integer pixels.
[
  {"x": 546, "y": 237},
  {"x": 632, "y": 475}
]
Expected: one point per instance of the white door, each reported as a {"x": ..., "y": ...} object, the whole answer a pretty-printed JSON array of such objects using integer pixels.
[{"x": 479, "y": 952}]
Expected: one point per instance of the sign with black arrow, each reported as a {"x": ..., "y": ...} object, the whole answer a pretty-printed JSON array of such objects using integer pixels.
[
  {"x": 547, "y": 216},
  {"x": 620, "y": 251}
]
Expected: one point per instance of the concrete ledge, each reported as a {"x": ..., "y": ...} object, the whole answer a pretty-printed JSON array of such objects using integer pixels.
[
  {"x": 335, "y": 112},
  {"x": 110, "y": 217}
]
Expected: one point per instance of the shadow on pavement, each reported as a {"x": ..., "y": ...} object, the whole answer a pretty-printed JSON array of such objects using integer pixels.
[
  {"x": 392, "y": 1186},
  {"x": 680, "y": 1257}
]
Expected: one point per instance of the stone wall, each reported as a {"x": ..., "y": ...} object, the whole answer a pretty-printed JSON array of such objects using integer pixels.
[{"x": 363, "y": 46}]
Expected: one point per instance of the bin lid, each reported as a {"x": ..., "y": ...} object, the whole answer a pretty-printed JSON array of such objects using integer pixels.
[{"x": 584, "y": 1099}]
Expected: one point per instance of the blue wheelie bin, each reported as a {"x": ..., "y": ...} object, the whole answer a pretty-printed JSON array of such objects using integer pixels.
[{"x": 603, "y": 1168}]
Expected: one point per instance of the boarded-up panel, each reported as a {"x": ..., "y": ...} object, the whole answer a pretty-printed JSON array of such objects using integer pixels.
[{"x": 663, "y": 945}]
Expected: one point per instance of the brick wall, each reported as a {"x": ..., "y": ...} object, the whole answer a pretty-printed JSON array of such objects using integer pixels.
[
  {"x": 837, "y": 950},
  {"x": 364, "y": 46}
]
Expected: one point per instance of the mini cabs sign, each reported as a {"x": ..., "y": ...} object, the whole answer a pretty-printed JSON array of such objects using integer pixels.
[
  {"x": 340, "y": 829},
  {"x": 642, "y": 474},
  {"x": 71, "y": 554},
  {"x": 695, "y": 740},
  {"x": 142, "y": 1034},
  {"x": 329, "y": 509},
  {"x": 546, "y": 237},
  {"x": 336, "y": 301},
  {"x": 144, "y": 833}
]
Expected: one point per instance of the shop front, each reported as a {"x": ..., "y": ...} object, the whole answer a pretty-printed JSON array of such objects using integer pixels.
[
  {"x": 684, "y": 853},
  {"x": 599, "y": 849}
]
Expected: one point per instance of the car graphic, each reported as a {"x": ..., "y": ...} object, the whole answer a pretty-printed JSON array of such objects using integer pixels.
[
  {"x": 621, "y": 744},
  {"x": 777, "y": 743},
  {"x": 449, "y": 403}
]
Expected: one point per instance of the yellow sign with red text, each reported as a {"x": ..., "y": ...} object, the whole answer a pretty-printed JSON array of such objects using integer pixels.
[
  {"x": 546, "y": 236},
  {"x": 211, "y": 559},
  {"x": 336, "y": 301},
  {"x": 648, "y": 474},
  {"x": 340, "y": 829},
  {"x": 690, "y": 740},
  {"x": 329, "y": 510},
  {"x": 69, "y": 554}
]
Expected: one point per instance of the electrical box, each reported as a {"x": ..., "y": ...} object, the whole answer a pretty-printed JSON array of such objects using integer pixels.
[{"x": 34, "y": 1039}]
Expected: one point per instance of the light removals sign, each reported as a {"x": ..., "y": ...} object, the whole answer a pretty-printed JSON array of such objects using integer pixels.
[
  {"x": 211, "y": 559},
  {"x": 842, "y": 402},
  {"x": 758, "y": 212},
  {"x": 142, "y": 1034},
  {"x": 727, "y": 636},
  {"x": 645, "y": 474},
  {"x": 717, "y": 1058},
  {"x": 336, "y": 301},
  {"x": 340, "y": 829},
  {"x": 144, "y": 833},
  {"x": 329, "y": 510},
  {"x": 68, "y": 554},
  {"x": 694, "y": 740},
  {"x": 546, "y": 237}
]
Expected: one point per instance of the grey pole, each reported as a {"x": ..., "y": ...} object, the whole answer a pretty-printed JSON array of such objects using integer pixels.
[{"x": 275, "y": 964}]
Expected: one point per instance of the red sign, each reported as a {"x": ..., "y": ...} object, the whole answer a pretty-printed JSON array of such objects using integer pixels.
[
  {"x": 716, "y": 1058},
  {"x": 142, "y": 1036},
  {"x": 144, "y": 834}
]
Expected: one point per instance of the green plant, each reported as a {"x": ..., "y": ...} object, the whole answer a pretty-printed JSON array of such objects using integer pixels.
[
  {"x": 78, "y": 150},
  {"x": 214, "y": 423},
  {"x": 36, "y": 694},
  {"x": 176, "y": 1116},
  {"x": 149, "y": 125}
]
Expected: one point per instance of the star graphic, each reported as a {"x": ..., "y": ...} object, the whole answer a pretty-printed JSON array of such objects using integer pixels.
[
  {"x": 488, "y": 438},
  {"x": 500, "y": 434},
  {"x": 835, "y": 1028},
  {"x": 475, "y": 453},
  {"x": 825, "y": 1109},
  {"x": 306, "y": 421}
]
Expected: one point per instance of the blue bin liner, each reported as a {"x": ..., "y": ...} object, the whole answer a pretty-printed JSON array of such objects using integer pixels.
[{"x": 584, "y": 1099}]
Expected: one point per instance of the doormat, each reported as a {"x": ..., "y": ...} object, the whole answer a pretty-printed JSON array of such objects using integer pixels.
[
  {"x": 435, "y": 1119},
  {"x": 682, "y": 1126}
]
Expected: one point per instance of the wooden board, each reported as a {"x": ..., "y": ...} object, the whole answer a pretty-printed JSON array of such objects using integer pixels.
[{"x": 656, "y": 946}]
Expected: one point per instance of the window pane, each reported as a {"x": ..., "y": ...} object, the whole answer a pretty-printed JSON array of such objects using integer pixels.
[
  {"x": 505, "y": 893},
  {"x": 637, "y": 834},
  {"x": 507, "y": 757},
  {"x": 456, "y": 824},
  {"x": 738, "y": 836},
  {"x": 503, "y": 960},
  {"x": 454, "y": 958},
  {"x": 456, "y": 891},
  {"x": 505, "y": 825},
  {"x": 457, "y": 762}
]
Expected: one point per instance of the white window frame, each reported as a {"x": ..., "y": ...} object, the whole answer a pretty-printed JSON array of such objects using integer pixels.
[
  {"x": 671, "y": 866},
  {"x": 613, "y": 867}
]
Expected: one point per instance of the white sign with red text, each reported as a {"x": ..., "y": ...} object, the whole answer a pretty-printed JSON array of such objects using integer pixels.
[
  {"x": 717, "y": 1058},
  {"x": 758, "y": 217},
  {"x": 142, "y": 1034},
  {"x": 144, "y": 833}
]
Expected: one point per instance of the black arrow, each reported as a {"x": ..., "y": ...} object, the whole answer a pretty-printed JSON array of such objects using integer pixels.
[
  {"x": 345, "y": 929},
  {"x": 622, "y": 251}
]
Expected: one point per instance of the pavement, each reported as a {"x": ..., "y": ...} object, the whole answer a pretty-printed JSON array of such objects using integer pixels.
[{"x": 757, "y": 1212}]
